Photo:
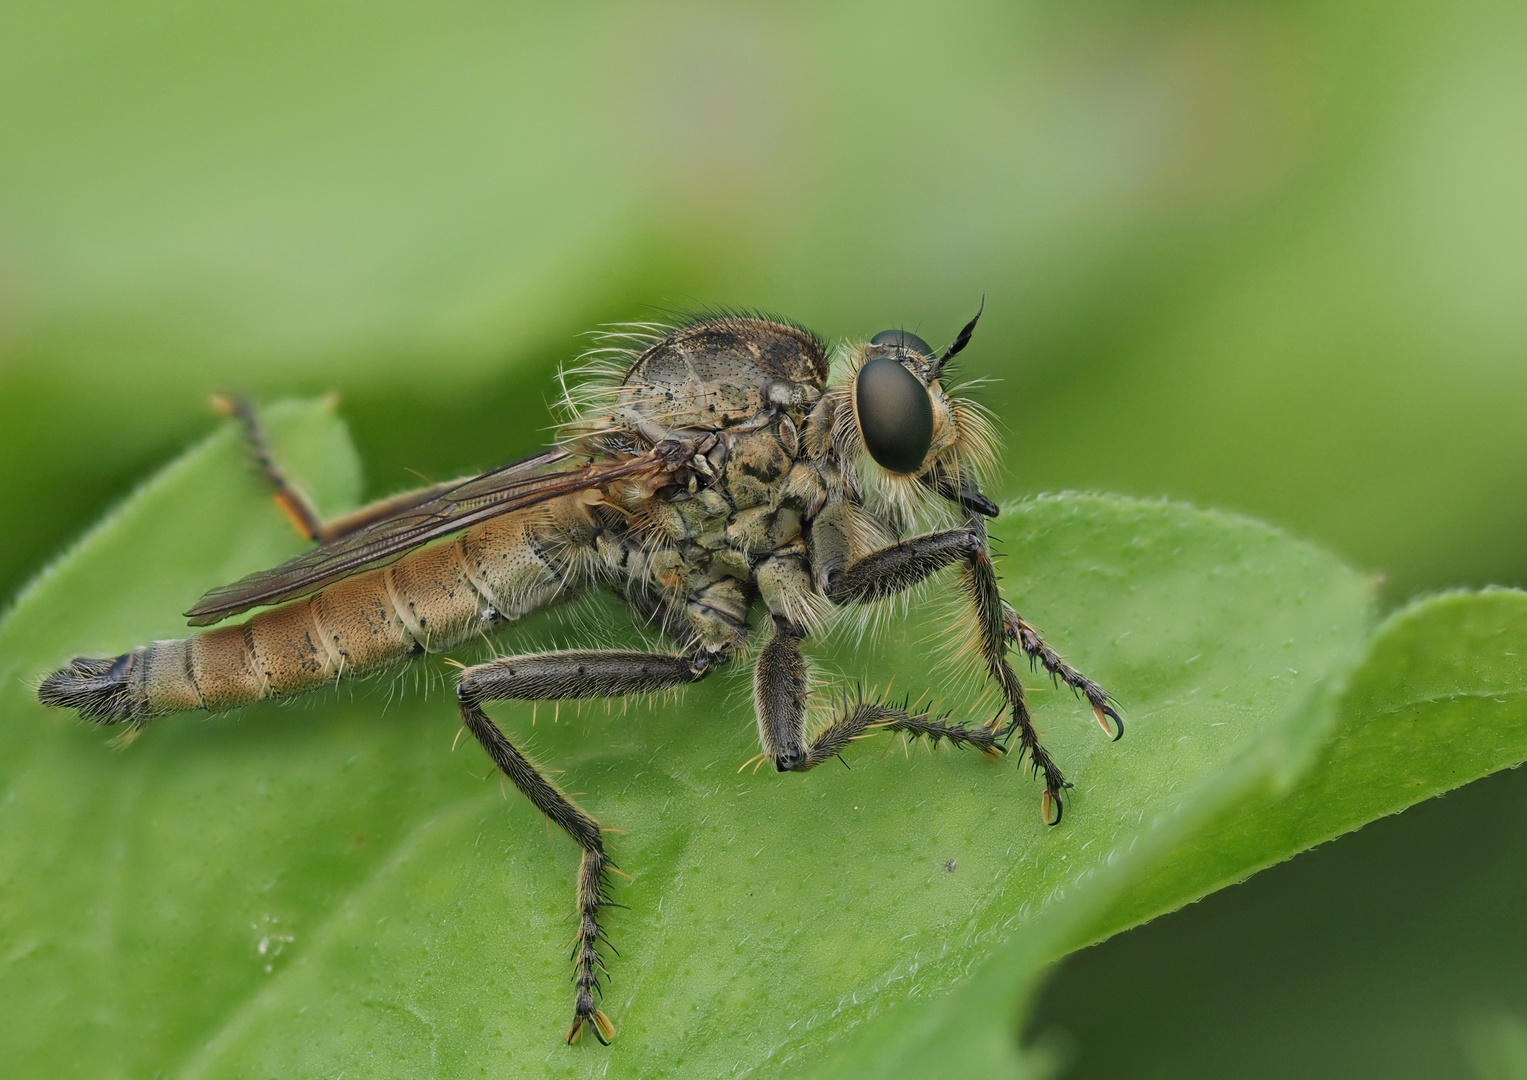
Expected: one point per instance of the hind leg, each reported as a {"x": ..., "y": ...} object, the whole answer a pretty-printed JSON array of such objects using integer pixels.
[
  {"x": 551, "y": 676},
  {"x": 294, "y": 501}
]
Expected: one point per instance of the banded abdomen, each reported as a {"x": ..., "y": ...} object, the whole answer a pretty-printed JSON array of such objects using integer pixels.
[{"x": 431, "y": 600}]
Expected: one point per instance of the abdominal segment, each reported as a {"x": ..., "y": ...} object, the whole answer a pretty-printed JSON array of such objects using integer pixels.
[{"x": 430, "y": 601}]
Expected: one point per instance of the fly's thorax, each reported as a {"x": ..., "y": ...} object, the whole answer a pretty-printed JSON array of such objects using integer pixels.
[
  {"x": 806, "y": 488},
  {"x": 701, "y": 548},
  {"x": 757, "y": 473},
  {"x": 692, "y": 591},
  {"x": 719, "y": 612},
  {"x": 724, "y": 370},
  {"x": 788, "y": 590},
  {"x": 682, "y": 517},
  {"x": 756, "y": 463},
  {"x": 762, "y": 529}
]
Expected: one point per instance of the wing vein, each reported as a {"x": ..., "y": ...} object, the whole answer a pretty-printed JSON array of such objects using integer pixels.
[{"x": 513, "y": 487}]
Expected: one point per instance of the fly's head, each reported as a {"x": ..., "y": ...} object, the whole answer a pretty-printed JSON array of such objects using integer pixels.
[{"x": 900, "y": 430}]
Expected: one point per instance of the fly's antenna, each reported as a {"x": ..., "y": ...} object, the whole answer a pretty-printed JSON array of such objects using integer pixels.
[{"x": 964, "y": 337}]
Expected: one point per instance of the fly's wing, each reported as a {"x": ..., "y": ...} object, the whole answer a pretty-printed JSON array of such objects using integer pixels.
[{"x": 513, "y": 487}]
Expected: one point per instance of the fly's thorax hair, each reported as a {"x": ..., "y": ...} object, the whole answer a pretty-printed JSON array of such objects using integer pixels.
[
  {"x": 860, "y": 528},
  {"x": 844, "y": 532},
  {"x": 590, "y": 621},
  {"x": 866, "y": 623},
  {"x": 577, "y": 542},
  {"x": 594, "y": 398},
  {"x": 963, "y": 440}
]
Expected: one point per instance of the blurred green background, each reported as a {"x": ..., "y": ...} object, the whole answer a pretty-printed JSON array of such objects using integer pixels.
[{"x": 1266, "y": 256}]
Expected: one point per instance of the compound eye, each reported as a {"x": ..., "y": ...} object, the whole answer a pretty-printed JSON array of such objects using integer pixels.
[
  {"x": 902, "y": 339},
  {"x": 895, "y": 415}
]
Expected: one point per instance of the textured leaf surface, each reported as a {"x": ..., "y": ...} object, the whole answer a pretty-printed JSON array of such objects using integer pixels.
[
  {"x": 1437, "y": 699},
  {"x": 325, "y": 886}
]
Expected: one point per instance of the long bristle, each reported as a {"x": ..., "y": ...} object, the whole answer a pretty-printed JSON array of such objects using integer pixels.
[{"x": 97, "y": 688}]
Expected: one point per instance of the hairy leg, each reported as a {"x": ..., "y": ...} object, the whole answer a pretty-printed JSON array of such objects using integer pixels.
[
  {"x": 902, "y": 565},
  {"x": 860, "y": 719},
  {"x": 305, "y": 516},
  {"x": 573, "y": 674},
  {"x": 981, "y": 585},
  {"x": 898, "y": 567},
  {"x": 1018, "y": 631},
  {"x": 780, "y": 689}
]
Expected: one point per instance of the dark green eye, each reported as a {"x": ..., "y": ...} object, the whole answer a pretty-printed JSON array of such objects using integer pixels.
[
  {"x": 903, "y": 339},
  {"x": 895, "y": 415}
]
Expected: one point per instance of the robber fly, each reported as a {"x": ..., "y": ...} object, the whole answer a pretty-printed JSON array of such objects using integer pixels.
[{"x": 705, "y": 468}]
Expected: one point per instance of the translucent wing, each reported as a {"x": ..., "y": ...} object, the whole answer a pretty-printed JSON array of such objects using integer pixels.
[{"x": 513, "y": 487}]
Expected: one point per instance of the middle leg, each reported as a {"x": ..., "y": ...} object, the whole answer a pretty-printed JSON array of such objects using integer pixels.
[
  {"x": 572, "y": 674},
  {"x": 780, "y": 692},
  {"x": 864, "y": 718}
]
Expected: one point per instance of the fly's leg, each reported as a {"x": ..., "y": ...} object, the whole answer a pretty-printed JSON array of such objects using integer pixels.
[
  {"x": 864, "y": 718},
  {"x": 900, "y": 566},
  {"x": 991, "y": 629},
  {"x": 1018, "y": 631},
  {"x": 573, "y": 674},
  {"x": 780, "y": 691},
  {"x": 294, "y": 501}
]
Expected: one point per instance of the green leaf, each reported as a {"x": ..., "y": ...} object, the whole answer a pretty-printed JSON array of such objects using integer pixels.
[
  {"x": 323, "y": 886},
  {"x": 1438, "y": 699}
]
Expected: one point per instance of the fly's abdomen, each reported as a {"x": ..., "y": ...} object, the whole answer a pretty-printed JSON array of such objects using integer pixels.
[
  {"x": 287, "y": 650},
  {"x": 430, "y": 601}
]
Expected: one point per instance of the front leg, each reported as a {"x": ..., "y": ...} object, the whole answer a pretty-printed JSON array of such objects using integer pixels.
[
  {"x": 1018, "y": 631},
  {"x": 898, "y": 567},
  {"x": 986, "y": 598},
  {"x": 574, "y": 674},
  {"x": 902, "y": 565}
]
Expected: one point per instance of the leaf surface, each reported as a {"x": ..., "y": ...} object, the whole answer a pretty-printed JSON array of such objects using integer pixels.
[
  {"x": 1436, "y": 698},
  {"x": 322, "y": 886}
]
